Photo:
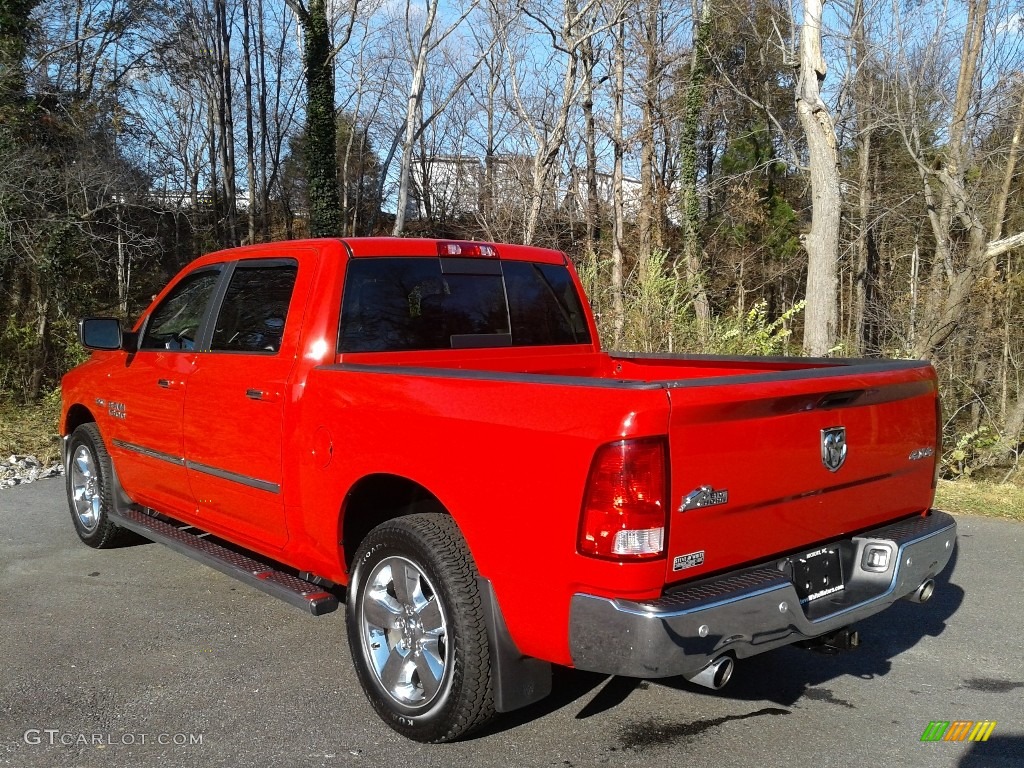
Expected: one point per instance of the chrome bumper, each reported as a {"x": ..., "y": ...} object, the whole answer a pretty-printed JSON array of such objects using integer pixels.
[{"x": 753, "y": 610}]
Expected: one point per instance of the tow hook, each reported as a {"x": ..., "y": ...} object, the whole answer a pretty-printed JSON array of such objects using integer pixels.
[{"x": 844, "y": 639}]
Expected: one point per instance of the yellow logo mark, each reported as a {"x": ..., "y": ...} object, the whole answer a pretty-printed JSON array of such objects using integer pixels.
[{"x": 982, "y": 730}]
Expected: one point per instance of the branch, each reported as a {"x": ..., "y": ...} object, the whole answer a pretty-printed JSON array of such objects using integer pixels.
[
  {"x": 348, "y": 31},
  {"x": 998, "y": 247},
  {"x": 794, "y": 157},
  {"x": 299, "y": 10},
  {"x": 454, "y": 91}
]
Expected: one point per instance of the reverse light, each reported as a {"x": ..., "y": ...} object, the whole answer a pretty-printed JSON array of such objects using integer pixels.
[
  {"x": 876, "y": 558},
  {"x": 466, "y": 248},
  {"x": 624, "y": 509}
]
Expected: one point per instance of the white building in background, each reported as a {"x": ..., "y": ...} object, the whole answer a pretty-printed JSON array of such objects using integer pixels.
[
  {"x": 456, "y": 187},
  {"x": 180, "y": 201},
  {"x": 454, "y": 184},
  {"x": 632, "y": 191}
]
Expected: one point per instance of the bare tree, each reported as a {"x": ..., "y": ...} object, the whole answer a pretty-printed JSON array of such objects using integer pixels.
[
  {"x": 689, "y": 195},
  {"x": 592, "y": 212},
  {"x": 420, "y": 47},
  {"x": 548, "y": 131},
  {"x": 864, "y": 335},
  {"x": 821, "y": 317},
  {"x": 618, "y": 29}
]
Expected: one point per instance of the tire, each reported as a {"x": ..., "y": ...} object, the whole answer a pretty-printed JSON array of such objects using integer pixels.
[
  {"x": 416, "y": 629},
  {"x": 89, "y": 483}
]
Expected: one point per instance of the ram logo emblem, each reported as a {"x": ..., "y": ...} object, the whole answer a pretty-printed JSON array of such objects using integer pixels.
[{"x": 833, "y": 448}]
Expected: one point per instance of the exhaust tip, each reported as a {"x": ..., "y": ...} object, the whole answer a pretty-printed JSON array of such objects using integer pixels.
[
  {"x": 716, "y": 674},
  {"x": 925, "y": 591}
]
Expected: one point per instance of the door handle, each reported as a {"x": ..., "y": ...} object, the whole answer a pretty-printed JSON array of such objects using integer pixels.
[
  {"x": 261, "y": 395},
  {"x": 168, "y": 383}
]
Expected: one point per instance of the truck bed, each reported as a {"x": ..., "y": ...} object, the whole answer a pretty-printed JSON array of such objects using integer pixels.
[{"x": 583, "y": 367}]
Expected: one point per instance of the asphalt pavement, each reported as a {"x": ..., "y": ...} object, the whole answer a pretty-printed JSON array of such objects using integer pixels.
[{"x": 141, "y": 657}]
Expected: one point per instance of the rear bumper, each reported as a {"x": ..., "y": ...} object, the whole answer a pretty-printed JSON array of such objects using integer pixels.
[{"x": 752, "y": 610}]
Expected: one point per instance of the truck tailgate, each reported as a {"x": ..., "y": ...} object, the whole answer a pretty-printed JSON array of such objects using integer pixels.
[{"x": 774, "y": 464}]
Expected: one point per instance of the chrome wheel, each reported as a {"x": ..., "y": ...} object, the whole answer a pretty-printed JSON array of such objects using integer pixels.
[
  {"x": 86, "y": 495},
  {"x": 416, "y": 628},
  {"x": 404, "y": 632},
  {"x": 88, "y": 482}
]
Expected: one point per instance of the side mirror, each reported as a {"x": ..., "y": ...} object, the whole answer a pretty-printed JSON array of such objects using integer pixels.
[{"x": 103, "y": 333}]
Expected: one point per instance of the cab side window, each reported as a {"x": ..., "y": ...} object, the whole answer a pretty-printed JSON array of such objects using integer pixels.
[
  {"x": 255, "y": 307},
  {"x": 175, "y": 322}
]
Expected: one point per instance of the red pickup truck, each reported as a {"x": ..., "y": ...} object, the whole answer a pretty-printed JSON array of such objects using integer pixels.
[{"x": 430, "y": 430}]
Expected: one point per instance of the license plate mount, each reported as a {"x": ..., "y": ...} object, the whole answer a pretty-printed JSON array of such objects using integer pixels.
[{"x": 817, "y": 574}]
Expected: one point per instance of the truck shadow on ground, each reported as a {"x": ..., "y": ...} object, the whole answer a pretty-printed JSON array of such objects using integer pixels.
[
  {"x": 782, "y": 677},
  {"x": 997, "y": 752}
]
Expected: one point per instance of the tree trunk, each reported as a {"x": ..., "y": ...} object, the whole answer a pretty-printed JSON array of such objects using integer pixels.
[
  {"x": 985, "y": 349},
  {"x": 689, "y": 196},
  {"x": 646, "y": 213},
  {"x": 261, "y": 54},
  {"x": 948, "y": 205},
  {"x": 415, "y": 123},
  {"x": 250, "y": 137},
  {"x": 864, "y": 322},
  {"x": 214, "y": 192},
  {"x": 321, "y": 126},
  {"x": 350, "y": 209},
  {"x": 549, "y": 144},
  {"x": 822, "y": 242},
  {"x": 592, "y": 213},
  {"x": 412, "y": 112},
  {"x": 225, "y": 122},
  {"x": 618, "y": 215}
]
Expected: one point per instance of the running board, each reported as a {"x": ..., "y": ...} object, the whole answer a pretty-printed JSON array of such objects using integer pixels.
[{"x": 299, "y": 592}]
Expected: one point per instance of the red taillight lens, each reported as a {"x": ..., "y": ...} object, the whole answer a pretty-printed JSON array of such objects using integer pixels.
[{"x": 624, "y": 505}]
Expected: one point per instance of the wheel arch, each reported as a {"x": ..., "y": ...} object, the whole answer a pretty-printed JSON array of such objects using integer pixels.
[
  {"x": 76, "y": 416},
  {"x": 375, "y": 499}
]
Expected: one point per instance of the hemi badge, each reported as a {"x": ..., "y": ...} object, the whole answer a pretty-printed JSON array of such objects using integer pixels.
[
  {"x": 705, "y": 496},
  {"x": 921, "y": 453},
  {"x": 691, "y": 560}
]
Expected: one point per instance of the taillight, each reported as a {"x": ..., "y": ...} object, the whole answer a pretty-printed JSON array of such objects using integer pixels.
[{"x": 624, "y": 505}]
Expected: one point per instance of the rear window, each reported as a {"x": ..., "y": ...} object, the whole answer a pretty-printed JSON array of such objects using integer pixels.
[
  {"x": 255, "y": 307},
  {"x": 403, "y": 304}
]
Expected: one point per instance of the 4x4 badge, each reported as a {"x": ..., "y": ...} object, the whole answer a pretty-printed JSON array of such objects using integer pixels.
[{"x": 833, "y": 448}]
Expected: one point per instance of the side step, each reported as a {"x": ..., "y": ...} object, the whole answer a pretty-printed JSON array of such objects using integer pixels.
[{"x": 291, "y": 589}]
